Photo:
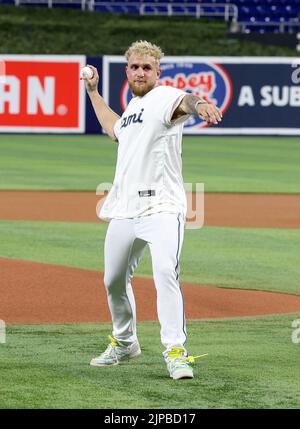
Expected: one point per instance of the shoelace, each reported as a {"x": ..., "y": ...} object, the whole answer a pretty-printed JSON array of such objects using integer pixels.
[
  {"x": 111, "y": 347},
  {"x": 113, "y": 341},
  {"x": 110, "y": 351},
  {"x": 176, "y": 352},
  {"x": 191, "y": 359}
]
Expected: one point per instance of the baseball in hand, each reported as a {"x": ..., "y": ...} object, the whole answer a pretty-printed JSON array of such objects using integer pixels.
[{"x": 86, "y": 72}]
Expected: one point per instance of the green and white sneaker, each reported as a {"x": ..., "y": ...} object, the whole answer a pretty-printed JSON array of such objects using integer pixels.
[
  {"x": 116, "y": 353},
  {"x": 179, "y": 363}
]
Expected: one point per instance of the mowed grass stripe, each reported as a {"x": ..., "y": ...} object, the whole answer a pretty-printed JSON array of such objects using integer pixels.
[
  {"x": 251, "y": 363},
  {"x": 262, "y": 259},
  {"x": 223, "y": 164}
]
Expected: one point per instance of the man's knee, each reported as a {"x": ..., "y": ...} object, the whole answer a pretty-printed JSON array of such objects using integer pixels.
[
  {"x": 114, "y": 282},
  {"x": 166, "y": 272}
]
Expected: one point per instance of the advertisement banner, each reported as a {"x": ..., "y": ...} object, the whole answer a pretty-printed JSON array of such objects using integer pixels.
[
  {"x": 92, "y": 125},
  {"x": 42, "y": 93},
  {"x": 258, "y": 95}
]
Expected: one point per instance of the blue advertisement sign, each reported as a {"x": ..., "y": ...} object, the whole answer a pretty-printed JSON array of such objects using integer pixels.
[
  {"x": 92, "y": 125},
  {"x": 257, "y": 95}
]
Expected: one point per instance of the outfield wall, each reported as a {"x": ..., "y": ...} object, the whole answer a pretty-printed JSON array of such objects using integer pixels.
[{"x": 43, "y": 94}]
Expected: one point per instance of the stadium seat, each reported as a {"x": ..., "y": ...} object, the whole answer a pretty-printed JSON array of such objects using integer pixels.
[{"x": 249, "y": 11}]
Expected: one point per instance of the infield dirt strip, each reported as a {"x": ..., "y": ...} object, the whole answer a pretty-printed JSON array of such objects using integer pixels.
[{"x": 42, "y": 293}]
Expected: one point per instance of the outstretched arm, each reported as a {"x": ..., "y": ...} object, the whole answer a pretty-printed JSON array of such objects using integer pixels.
[
  {"x": 105, "y": 115},
  {"x": 194, "y": 105}
]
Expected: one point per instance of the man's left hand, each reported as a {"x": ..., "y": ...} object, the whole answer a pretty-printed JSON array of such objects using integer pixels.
[{"x": 209, "y": 112}]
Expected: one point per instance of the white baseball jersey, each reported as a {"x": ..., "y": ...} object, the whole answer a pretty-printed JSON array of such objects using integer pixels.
[{"x": 148, "y": 177}]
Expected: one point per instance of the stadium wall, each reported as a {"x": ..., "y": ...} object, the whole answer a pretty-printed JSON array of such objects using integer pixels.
[{"x": 43, "y": 94}]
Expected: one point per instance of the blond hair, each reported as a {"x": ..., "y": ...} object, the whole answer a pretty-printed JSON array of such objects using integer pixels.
[{"x": 143, "y": 48}]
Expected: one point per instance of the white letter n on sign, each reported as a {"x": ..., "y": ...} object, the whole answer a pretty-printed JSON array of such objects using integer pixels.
[{"x": 41, "y": 95}]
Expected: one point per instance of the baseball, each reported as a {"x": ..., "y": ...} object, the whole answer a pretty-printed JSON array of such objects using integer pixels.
[{"x": 86, "y": 72}]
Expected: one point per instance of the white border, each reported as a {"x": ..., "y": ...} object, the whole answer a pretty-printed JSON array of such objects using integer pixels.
[
  {"x": 81, "y": 59},
  {"x": 220, "y": 60},
  {"x": 107, "y": 59},
  {"x": 245, "y": 131},
  {"x": 34, "y": 58},
  {"x": 49, "y": 130}
]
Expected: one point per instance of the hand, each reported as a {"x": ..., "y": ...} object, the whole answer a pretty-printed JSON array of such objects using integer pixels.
[
  {"x": 91, "y": 84},
  {"x": 209, "y": 113}
]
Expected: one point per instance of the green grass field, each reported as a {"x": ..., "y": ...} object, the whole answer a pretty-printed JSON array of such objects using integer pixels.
[
  {"x": 223, "y": 164},
  {"x": 211, "y": 256},
  {"x": 252, "y": 361}
]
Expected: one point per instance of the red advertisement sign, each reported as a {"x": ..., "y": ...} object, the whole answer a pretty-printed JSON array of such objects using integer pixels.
[{"x": 41, "y": 94}]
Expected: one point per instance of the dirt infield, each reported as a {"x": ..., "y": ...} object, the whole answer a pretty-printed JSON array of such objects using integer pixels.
[
  {"x": 42, "y": 293},
  {"x": 233, "y": 210}
]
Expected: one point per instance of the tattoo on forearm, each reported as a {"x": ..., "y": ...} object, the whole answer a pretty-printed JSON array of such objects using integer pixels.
[
  {"x": 190, "y": 101},
  {"x": 187, "y": 106}
]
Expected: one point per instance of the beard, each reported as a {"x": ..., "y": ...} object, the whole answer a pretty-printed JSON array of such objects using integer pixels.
[{"x": 141, "y": 90}]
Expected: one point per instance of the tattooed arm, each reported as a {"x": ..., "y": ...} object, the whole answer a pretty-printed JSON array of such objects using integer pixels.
[{"x": 194, "y": 105}]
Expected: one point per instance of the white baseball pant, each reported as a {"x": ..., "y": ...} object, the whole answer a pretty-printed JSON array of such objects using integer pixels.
[{"x": 125, "y": 243}]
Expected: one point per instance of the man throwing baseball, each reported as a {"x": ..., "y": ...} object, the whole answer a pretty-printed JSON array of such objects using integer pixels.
[{"x": 147, "y": 204}]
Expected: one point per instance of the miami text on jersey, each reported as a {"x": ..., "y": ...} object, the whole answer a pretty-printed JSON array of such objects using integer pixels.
[{"x": 136, "y": 117}]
